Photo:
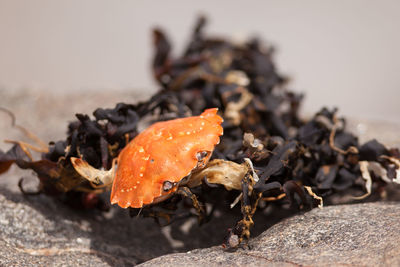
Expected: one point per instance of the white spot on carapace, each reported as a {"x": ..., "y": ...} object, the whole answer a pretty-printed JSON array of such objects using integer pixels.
[
  {"x": 190, "y": 125},
  {"x": 134, "y": 187},
  {"x": 141, "y": 150},
  {"x": 141, "y": 175},
  {"x": 188, "y": 133},
  {"x": 202, "y": 123},
  {"x": 142, "y": 168},
  {"x": 201, "y": 128},
  {"x": 122, "y": 190},
  {"x": 201, "y": 117},
  {"x": 169, "y": 136},
  {"x": 138, "y": 182},
  {"x": 146, "y": 158}
]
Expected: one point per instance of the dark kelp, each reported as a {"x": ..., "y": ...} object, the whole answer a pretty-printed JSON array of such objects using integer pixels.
[{"x": 285, "y": 158}]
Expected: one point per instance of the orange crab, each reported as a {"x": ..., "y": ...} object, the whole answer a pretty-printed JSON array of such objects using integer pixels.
[{"x": 152, "y": 166}]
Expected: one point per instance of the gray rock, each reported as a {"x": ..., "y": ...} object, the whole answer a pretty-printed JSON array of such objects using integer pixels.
[
  {"x": 360, "y": 235},
  {"x": 40, "y": 231}
]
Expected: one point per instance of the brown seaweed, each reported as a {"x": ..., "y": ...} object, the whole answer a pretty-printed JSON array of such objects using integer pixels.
[{"x": 279, "y": 156}]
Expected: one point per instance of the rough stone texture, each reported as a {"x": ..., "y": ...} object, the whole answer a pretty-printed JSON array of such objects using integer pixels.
[
  {"x": 357, "y": 235},
  {"x": 37, "y": 230}
]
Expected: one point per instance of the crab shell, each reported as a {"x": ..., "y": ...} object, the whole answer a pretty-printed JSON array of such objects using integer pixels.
[{"x": 164, "y": 154}]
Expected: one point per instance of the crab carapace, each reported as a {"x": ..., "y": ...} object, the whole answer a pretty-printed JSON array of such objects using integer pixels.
[{"x": 154, "y": 164}]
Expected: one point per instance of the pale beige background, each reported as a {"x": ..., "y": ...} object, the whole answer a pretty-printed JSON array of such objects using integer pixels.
[{"x": 340, "y": 53}]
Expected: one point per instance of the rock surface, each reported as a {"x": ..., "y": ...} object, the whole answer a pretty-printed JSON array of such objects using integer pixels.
[
  {"x": 360, "y": 235},
  {"x": 42, "y": 232},
  {"x": 37, "y": 230}
]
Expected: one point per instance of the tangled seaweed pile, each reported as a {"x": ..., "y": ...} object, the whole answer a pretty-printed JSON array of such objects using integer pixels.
[{"x": 283, "y": 158}]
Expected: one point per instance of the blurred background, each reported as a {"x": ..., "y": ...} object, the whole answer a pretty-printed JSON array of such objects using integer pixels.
[{"x": 339, "y": 53}]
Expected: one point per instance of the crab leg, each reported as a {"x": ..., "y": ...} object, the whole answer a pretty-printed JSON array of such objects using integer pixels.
[
  {"x": 155, "y": 214},
  {"x": 201, "y": 213}
]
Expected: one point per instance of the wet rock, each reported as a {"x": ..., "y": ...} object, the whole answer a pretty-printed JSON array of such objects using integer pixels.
[{"x": 360, "y": 235}]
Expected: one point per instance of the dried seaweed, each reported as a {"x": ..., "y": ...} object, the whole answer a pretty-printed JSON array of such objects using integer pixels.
[{"x": 268, "y": 153}]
